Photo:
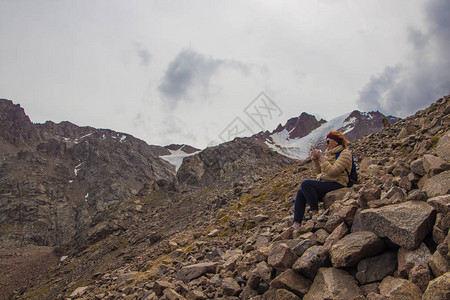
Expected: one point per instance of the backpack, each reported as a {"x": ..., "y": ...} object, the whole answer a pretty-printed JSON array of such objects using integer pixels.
[{"x": 353, "y": 176}]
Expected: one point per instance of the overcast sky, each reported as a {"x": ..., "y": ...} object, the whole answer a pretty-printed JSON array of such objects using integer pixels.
[{"x": 193, "y": 71}]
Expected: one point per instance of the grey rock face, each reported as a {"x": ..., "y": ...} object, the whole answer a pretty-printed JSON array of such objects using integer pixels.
[
  {"x": 354, "y": 247},
  {"x": 331, "y": 283},
  {"x": 405, "y": 224},
  {"x": 376, "y": 268}
]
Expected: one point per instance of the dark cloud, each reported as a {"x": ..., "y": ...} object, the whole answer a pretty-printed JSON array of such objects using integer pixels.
[
  {"x": 144, "y": 55},
  {"x": 190, "y": 69},
  {"x": 406, "y": 88}
]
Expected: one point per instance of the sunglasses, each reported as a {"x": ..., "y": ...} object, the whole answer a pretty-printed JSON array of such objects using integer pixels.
[{"x": 328, "y": 141}]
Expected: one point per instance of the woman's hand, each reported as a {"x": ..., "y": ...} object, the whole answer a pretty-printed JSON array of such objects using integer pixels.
[{"x": 316, "y": 154}]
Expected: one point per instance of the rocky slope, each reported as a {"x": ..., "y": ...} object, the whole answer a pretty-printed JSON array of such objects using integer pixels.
[
  {"x": 385, "y": 238},
  {"x": 55, "y": 177}
]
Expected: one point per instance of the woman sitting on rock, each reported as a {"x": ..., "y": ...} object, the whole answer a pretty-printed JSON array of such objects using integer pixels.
[{"x": 333, "y": 169}]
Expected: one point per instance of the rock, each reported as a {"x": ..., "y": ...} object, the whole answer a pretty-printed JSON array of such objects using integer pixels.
[
  {"x": 370, "y": 192},
  {"x": 301, "y": 246},
  {"x": 397, "y": 288},
  {"x": 441, "y": 227},
  {"x": 333, "y": 196},
  {"x": 335, "y": 236},
  {"x": 417, "y": 195},
  {"x": 260, "y": 218},
  {"x": 293, "y": 282},
  {"x": 214, "y": 233},
  {"x": 376, "y": 268},
  {"x": 438, "y": 185},
  {"x": 405, "y": 224},
  {"x": 403, "y": 134},
  {"x": 283, "y": 294},
  {"x": 433, "y": 165},
  {"x": 230, "y": 263},
  {"x": 191, "y": 272},
  {"x": 354, "y": 247},
  {"x": 281, "y": 256},
  {"x": 440, "y": 203},
  {"x": 331, "y": 283},
  {"x": 310, "y": 262},
  {"x": 195, "y": 295},
  {"x": 438, "y": 288},
  {"x": 417, "y": 167},
  {"x": 79, "y": 292},
  {"x": 438, "y": 264},
  {"x": 322, "y": 235},
  {"x": 407, "y": 259},
  {"x": 170, "y": 294},
  {"x": 443, "y": 146},
  {"x": 160, "y": 285},
  {"x": 420, "y": 275},
  {"x": 230, "y": 287}
]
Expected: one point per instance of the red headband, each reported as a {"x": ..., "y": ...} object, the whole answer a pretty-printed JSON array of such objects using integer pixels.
[{"x": 334, "y": 137}]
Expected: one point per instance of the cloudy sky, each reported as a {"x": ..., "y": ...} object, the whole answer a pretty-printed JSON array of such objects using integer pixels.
[{"x": 197, "y": 72}]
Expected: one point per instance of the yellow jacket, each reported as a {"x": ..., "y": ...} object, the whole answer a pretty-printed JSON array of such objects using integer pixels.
[{"x": 333, "y": 169}]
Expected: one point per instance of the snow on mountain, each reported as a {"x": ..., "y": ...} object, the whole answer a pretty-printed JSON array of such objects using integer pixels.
[
  {"x": 299, "y": 148},
  {"x": 178, "y": 153}
]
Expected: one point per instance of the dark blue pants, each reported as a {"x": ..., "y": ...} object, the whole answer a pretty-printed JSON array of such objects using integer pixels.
[{"x": 311, "y": 192}]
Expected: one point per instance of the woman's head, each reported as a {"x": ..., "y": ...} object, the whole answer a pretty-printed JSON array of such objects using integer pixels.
[{"x": 335, "y": 138}]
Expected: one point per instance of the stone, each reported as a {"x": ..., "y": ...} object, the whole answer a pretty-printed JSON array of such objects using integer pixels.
[
  {"x": 402, "y": 134},
  {"x": 230, "y": 287},
  {"x": 443, "y": 146},
  {"x": 331, "y": 283},
  {"x": 417, "y": 195},
  {"x": 405, "y": 224},
  {"x": 417, "y": 167},
  {"x": 260, "y": 218},
  {"x": 438, "y": 288},
  {"x": 420, "y": 275},
  {"x": 333, "y": 196},
  {"x": 191, "y": 272},
  {"x": 438, "y": 185},
  {"x": 354, "y": 247},
  {"x": 310, "y": 262},
  {"x": 433, "y": 164},
  {"x": 376, "y": 268},
  {"x": 398, "y": 288},
  {"x": 79, "y": 292},
  {"x": 195, "y": 295},
  {"x": 160, "y": 285},
  {"x": 438, "y": 264},
  {"x": 335, "y": 236},
  {"x": 282, "y": 294},
  {"x": 440, "y": 203},
  {"x": 322, "y": 235},
  {"x": 230, "y": 263},
  {"x": 292, "y": 281},
  {"x": 281, "y": 256},
  {"x": 407, "y": 259},
  {"x": 302, "y": 246},
  {"x": 170, "y": 294}
]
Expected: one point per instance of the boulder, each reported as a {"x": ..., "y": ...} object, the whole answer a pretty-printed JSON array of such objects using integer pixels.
[
  {"x": 433, "y": 165},
  {"x": 331, "y": 283},
  {"x": 333, "y": 196},
  {"x": 438, "y": 264},
  {"x": 407, "y": 259},
  {"x": 310, "y": 262},
  {"x": 283, "y": 294},
  {"x": 354, "y": 247},
  {"x": 438, "y": 288},
  {"x": 230, "y": 287},
  {"x": 170, "y": 294},
  {"x": 160, "y": 285},
  {"x": 397, "y": 288},
  {"x": 195, "y": 295},
  {"x": 191, "y": 272},
  {"x": 292, "y": 281},
  {"x": 405, "y": 224},
  {"x": 440, "y": 203},
  {"x": 302, "y": 246},
  {"x": 420, "y": 275},
  {"x": 438, "y": 185},
  {"x": 443, "y": 146},
  {"x": 376, "y": 268},
  {"x": 335, "y": 236},
  {"x": 417, "y": 167},
  {"x": 281, "y": 256}
]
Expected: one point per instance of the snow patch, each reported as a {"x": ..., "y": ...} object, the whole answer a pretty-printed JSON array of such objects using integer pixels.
[
  {"x": 122, "y": 138},
  {"x": 176, "y": 157},
  {"x": 77, "y": 168}
]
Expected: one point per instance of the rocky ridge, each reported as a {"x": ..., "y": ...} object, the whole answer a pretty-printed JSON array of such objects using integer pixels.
[{"x": 385, "y": 238}]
